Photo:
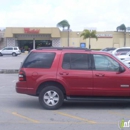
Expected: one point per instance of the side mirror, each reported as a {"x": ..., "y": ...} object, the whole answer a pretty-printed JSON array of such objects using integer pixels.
[{"x": 121, "y": 69}]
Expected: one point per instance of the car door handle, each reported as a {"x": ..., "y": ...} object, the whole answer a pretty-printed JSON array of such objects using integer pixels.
[
  {"x": 64, "y": 73},
  {"x": 100, "y": 75}
]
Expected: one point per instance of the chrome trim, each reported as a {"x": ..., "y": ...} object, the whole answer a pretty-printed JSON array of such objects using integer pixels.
[{"x": 124, "y": 86}]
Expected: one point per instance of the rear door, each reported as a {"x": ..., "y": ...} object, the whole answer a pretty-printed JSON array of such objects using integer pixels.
[
  {"x": 74, "y": 70},
  {"x": 107, "y": 80},
  {"x": 5, "y": 51},
  {"x": 40, "y": 67}
]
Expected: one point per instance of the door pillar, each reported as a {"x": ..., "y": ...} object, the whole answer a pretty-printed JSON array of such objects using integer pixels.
[{"x": 33, "y": 43}]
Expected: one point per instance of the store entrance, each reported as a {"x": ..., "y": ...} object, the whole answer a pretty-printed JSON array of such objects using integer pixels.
[
  {"x": 43, "y": 43},
  {"x": 27, "y": 45}
]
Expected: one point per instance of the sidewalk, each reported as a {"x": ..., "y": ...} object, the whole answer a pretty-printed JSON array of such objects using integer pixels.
[{"x": 10, "y": 64}]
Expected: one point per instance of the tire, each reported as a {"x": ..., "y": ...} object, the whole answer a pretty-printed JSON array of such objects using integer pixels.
[
  {"x": 1, "y": 54},
  {"x": 14, "y": 54},
  {"x": 50, "y": 101}
]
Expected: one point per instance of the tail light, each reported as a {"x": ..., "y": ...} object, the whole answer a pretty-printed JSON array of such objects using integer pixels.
[{"x": 22, "y": 75}]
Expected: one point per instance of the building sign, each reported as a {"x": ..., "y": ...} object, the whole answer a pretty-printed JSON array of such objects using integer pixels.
[
  {"x": 83, "y": 45},
  {"x": 104, "y": 35},
  {"x": 31, "y": 31}
]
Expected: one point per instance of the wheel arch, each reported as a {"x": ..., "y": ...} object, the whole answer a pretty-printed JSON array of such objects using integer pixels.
[
  {"x": 50, "y": 83},
  {"x": 14, "y": 53}
]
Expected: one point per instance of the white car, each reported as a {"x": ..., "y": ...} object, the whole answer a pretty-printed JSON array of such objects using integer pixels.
[
  {"x": 125, "y": 58},
  {"x": 124, "y": 55},
  {"x": 119, "y": 50},
  {"x": 108, "y": 49},
  {"x": 14, "y": 51}
]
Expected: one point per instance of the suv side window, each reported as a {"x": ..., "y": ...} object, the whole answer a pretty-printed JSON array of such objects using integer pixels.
[
  {"x": 15, "y": 48},
  {"x": 105, "y": 63},
  {"x": 5, "y": 49},
  {"x": 39, "y": 60},
  {"x": 75, "y": 61},
  {"x": 127, "y": 49},
  {"x": 10, "y": 48}
]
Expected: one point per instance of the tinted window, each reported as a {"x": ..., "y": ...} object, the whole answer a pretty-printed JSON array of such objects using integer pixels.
[
  {"x": 105, "y": 63},
  {"x": 5, "y": 49},
  {"x": 123, "y": 53},
  {"x": 127, "y": 49},
  {"x": 39, "y": 60},
  {"x": 110, "y": 49},
  {"x": 75, "y": 61},
  {"x": 9, "y": 48},
  {"x": 66, "y": 61},
  {"x": 15, "y": 49},
  {"x": 104, "y": 49}
]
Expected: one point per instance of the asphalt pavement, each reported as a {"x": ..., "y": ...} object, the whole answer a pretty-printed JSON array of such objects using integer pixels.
[
  {"x": 20, "y": 111},
  {"x": 11, "y": 64}
]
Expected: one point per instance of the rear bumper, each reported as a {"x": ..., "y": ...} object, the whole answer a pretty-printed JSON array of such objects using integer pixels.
[
  {"x": 21, "y": 87},
  {"x": 18, "y": 53}
]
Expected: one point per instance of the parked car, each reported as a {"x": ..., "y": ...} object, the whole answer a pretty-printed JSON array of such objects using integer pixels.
[
  {"x": 14, "y": 51},
  {"x": 123, "y": 55},
  {"x": 108, "y": 49},
  {"x": 73, "y": 74},
  {"x": 119, "y": 50}
]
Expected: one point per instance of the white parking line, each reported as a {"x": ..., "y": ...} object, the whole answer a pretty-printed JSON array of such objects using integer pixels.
[{"x": 14, "y": 81}]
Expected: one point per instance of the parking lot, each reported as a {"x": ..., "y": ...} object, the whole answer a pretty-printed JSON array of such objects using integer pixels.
[
  {"x": 11, "y": 62},
  {"x": 19, "y": 111}
]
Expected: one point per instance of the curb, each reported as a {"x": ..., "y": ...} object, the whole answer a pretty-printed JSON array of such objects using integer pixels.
[{"x": 9, "y": 71}]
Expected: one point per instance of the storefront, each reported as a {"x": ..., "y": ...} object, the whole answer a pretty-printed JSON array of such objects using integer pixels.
[
  {"x": 32, "y": 38},
  {"x": 26, "y": 45}
]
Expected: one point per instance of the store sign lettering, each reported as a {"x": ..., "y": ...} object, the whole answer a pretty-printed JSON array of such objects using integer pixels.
[
  {"x": 104, "y": 35},
  {"x": 31, "y": 31}
]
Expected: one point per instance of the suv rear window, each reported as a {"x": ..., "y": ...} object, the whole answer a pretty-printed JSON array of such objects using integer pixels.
[{"x": 39, "y": 60}]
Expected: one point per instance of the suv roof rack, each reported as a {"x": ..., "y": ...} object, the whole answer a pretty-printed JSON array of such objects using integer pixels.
[{"x": 62, "y": 48}]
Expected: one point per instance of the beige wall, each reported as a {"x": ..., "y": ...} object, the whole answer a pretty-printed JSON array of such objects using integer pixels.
[
  {"x": 75, "y": 40},
  {"x": 116, "y": 40},
  {"x": 10, "y": 31}
]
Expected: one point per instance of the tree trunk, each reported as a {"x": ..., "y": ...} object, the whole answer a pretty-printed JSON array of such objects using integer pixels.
[
  {"x": 68, "y": 37},
  {"x": 89, "y": 44},
  {"x": 124, "y": 38}
]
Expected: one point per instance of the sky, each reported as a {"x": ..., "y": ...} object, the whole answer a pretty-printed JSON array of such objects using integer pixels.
[{"x": 104, "y": 15}]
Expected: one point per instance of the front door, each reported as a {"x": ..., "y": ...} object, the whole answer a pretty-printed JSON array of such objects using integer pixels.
[{"x": 107, "y": 80}]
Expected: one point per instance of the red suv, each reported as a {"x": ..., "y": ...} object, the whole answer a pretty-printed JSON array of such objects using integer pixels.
[{"x": 76, "y": 74}]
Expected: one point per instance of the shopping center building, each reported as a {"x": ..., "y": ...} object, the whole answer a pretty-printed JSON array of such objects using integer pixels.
[{"x": 33, "y": 37}]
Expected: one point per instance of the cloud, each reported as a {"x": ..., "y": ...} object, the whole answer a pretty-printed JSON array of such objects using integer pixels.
[{"x": 102, "y": 14}]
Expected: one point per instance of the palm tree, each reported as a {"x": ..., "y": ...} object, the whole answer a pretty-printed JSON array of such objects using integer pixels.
[
  {"x": 63, "y": 24},
  {"x": 123, "y": 28},
  {"x": 89, "y": 34}
]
